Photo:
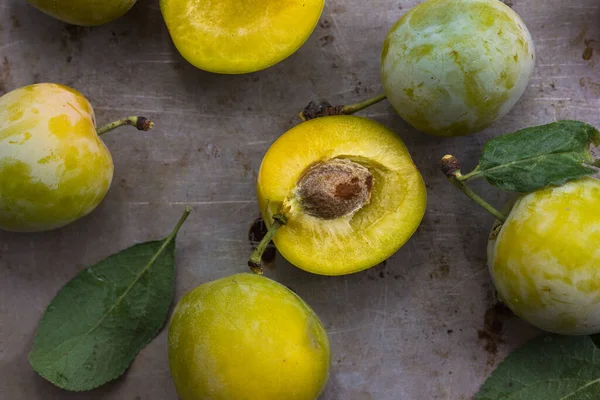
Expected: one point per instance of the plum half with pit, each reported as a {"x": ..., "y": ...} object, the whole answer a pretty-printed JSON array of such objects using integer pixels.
[{"x": 349, "y": 192}]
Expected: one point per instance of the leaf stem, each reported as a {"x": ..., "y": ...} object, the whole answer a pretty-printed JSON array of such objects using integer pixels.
[
  {"x": 476, "y": 173},
  {"x": 145, "y": 269},
  {"x": 451, "y": 168},
  {"x": 324, "y": 109},
  {"x": 141, "y": 123},
  {"x": 256, "y": 258},
  {"x": 179, "y": 224}
]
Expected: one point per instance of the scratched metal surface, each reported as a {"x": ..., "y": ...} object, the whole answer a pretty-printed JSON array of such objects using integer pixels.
[{"x": 422, "y": 326}]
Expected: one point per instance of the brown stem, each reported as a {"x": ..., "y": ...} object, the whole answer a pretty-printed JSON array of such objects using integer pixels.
[
  {"x": 324, "y": 108},
  {"x": 141, "y": 123},
  {"x": 255, "y": 262}
]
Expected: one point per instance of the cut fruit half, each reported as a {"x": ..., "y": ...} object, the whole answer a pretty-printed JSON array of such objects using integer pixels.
[
  {"x": 239, "y": 36},
  {"x": 369, "y": 228}
]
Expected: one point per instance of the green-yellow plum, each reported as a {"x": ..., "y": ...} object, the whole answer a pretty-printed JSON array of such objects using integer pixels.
[
  {"x": 545, "y": 259},
  {"x": 84, "y": 12},
  {"x": 454, "y": 67},
  {"x": 246, "y": 337},
  {"x": 54, "y": 169}
]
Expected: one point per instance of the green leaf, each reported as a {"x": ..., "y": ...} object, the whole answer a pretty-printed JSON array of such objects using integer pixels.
[
  {"x": 95, "y": 326},
  {"x": 536, "y": 157},
  {"x": 551, "y": 367},
  {"x": 596, "y": 339}
]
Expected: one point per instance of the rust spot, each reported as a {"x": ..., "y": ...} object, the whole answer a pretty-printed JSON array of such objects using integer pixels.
[
  {"x": 256, "y": 233},
  {"x": 491, "y": 334},
  {"x": 588, "y": 52}
]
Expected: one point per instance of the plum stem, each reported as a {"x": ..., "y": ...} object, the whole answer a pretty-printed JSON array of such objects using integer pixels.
[
  {"x": 451, "y": 168},
  {"x": 324, "y": 109},
  {"x": 352, "y": 108},
  {"x": 141, "y": 123},
  {"x": 256, "y": 258}
]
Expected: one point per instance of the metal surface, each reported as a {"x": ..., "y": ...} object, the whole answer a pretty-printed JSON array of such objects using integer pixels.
[{"x": 424, "y": 325}]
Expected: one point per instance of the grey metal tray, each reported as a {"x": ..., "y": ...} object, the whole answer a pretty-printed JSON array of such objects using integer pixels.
[{"x": 424, "y": 325}]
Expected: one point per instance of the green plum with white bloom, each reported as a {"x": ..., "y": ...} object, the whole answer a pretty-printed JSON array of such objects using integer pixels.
[{"x": 454, "y": 67}]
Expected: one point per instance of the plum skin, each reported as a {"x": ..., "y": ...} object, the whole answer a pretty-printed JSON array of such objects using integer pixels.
[
  {"x": 454, "y": 67},
  {"x": 54, "y": 169},
  {"x": 84, "y": 12},
  {"x": 247, "y": 337},
  {"x": 545, "y": 261}
]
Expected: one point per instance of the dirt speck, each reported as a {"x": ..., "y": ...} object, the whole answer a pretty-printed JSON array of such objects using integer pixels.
[
  {"x": 590, "y": 85},
  {"x": 491, "y": 334},
  {"x": 325, "y": 24},
  {"x": 16, "y": 23},
  {"x": 581, "y": 36},
  {"x": 244, "y": 161},
  {"x": 588, "y": 52},
  {"x": 257, "y": 231},
  {"x": 73, "y": 35},
  {"x": 5, "y": 71},
  {"x": 378, "y": 271},
  {"x": 326, "y": 40},
  {"x": 210, "y": 150},
  {"x": 440, "y": 272}
]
